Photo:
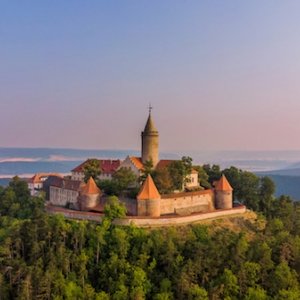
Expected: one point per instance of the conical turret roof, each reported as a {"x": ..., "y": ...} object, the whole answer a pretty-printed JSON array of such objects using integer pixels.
[
  {"x": 223, "y": 184},
  {"x": 148, "y": 190},
  {"x": 150, "y": 127},
  {"x": 90, "y": 188}
]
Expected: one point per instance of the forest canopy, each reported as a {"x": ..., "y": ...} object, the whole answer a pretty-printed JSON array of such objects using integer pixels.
[{"x": 49, "y": 257}]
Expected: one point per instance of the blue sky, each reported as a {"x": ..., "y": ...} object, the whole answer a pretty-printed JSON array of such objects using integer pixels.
[{"x": 220, "y": 74}]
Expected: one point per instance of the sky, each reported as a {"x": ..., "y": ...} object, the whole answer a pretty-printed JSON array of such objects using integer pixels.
[{"x": 220, "y": 75}]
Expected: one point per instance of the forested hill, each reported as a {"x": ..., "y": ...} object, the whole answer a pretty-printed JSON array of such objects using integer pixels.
[{"x": 49, "y": 257}]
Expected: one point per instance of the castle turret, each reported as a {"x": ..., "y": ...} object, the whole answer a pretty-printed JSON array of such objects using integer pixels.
[
  {"x": 89, "y": 195},
  {"x": 223, "y": 194},
  {"x": 148, "y": 199},
  {"x": 150, "y": 139}
]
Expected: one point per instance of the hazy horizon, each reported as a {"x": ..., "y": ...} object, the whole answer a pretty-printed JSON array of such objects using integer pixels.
[{"x": 221, "y": 76}]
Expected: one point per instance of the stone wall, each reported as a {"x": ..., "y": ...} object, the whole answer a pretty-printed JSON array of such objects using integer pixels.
[
  {"x": 187, "y": 203},
  {"x": 150, "y": 147},
  {"x": 88, "y": 202},
  {"x": 147, "y": 221},
  {"x": 180, "y": 220},
  {"x": 223, "y": 199}
]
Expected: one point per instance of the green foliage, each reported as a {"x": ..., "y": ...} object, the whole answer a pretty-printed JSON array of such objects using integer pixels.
[
  {"x": 92, "y": 169},
  {"x": 114, "y": 208},
  {"x": 203, "y": 177},
  {"x": 266, "y": 195},
  {"x": 163, "y": 181},
  {"x": 256, "y": 294},
  {"x": 49, "y": 257},
  {"x": 245, "y": 186},
  {"x": 179, "y": 170},
  {"x": 213, "y": 172},
  {"x": 148, "y": 170},
  {"x": 123, "y": 180},
  {"x": 17, "y": 202},
  {"x": 108, "y": 187}
]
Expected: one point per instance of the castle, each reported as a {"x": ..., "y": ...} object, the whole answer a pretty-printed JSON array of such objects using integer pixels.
[{"x": 76, "y": 194}]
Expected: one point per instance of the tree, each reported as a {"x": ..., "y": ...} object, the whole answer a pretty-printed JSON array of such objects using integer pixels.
[
  {"x": 114, "y": 208},
  {"x": 247, "y": 191},
  {"x": 179, "y": 171},
  {"x": 256, "y": 294},
  {"x": 203, "y": 178},
  {"x": 284, "y": 278},
  {"x": 213, "y": 172},
  {"x": 124, "y": 178},
  {"x": 92, "y": 169},
  {"x": 266, "y": 195},
  {"x": 228, "y": 285},
  {"x": 198, "y": 293},
  {"x": 248, "y": 276},
  {"x": 283, "y": 208},
  {"x": 162, "y": 181},
  {"x": 109, "y": 187},
  {"x": 147, "y": 170}
]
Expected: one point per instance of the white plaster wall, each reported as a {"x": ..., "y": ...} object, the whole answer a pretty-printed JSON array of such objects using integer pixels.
[
  {"x": 127, "y": 163},
  {"x": 192, "y": 180}
]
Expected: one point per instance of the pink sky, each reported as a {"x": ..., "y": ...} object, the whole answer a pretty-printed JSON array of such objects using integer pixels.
[{"x": 219, "y": 75}]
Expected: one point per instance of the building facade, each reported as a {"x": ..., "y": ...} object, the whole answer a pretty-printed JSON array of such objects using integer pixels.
[
  {"x": 148, "y": 203},
  {"x": 107, "y": 168}
]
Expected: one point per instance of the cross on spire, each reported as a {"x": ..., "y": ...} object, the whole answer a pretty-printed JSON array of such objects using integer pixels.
[{"x": 150, "y": 108}]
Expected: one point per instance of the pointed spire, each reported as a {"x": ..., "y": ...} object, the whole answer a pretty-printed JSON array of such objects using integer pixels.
[
  {"x": 150, "y": 108},
  {"x": 90, "y": 187},
  {"x": 150, "y": 127},
  {"x": 223, "y": 184},
  {"x": 148, "y": 190}
]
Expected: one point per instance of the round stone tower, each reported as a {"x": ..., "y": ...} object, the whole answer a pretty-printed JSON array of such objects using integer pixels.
[
  {"x": 148, "y": 199},
  {"x": 89, "y": 195},
  {"x": 150, "y": 139},
  {"x": 223, "y": 194}
]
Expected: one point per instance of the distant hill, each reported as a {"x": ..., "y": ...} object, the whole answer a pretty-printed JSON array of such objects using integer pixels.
[
  {"x": 286, "y": 185},
  {"x": 4, "y": 181},
  {"x": 283, "y": 172}
]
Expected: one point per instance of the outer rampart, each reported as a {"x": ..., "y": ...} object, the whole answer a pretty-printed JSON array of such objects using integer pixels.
[{"x": 148, "y": 221}]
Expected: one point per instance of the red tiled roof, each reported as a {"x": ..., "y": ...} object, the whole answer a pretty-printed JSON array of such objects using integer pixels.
[
  {"x": 66, "y": 184},
  {"x": 137, "y": 161},
  {"x": 108, "y": 166},
  {"x": 148, "y": 190},
  {"x": 90, "y": 188},
  {"x": 37, "y": 178},
  {"x": 223, "y": 184},
  {"x": 164, "y": 163}
]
